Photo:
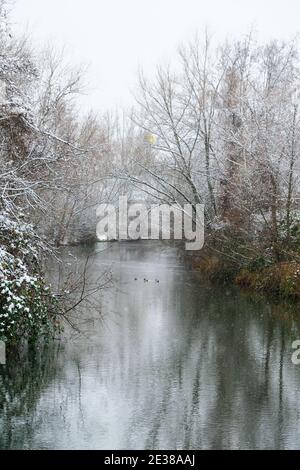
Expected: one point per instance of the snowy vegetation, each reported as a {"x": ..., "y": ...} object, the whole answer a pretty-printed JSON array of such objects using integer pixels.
[
  {"x": 25, "y": 302},
  {"x": 50, "y": 177},
  {"x": 27, "y": 308},
  {"x": 225, "y": 132}
]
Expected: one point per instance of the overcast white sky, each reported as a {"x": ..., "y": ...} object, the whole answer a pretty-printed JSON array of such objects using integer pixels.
[{"x": 115, "y": 37}]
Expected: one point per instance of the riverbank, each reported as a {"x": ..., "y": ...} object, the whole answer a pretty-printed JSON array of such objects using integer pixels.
[
  {"x": 279, "y": 279},
  {"x": 28, "y": 308}
]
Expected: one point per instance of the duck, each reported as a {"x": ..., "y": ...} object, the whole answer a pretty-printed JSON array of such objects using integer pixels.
[
  {"x": 156, "y": 281},
  {"x": 146, "y": 280}
]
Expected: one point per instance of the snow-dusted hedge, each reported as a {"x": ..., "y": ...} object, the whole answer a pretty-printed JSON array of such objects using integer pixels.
[{"x": 27, "y": 307}]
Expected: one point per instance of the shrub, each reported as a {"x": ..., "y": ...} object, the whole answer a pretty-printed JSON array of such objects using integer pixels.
[
  {"x": 282, "y": 279},
  {"x": 27, "y": 307},
  {"x": 215, "y": 268}
]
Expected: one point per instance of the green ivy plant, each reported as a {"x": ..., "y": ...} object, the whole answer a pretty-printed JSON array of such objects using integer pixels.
[{"x": 28, "y": 309}]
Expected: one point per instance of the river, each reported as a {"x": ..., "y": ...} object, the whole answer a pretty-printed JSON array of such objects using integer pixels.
[{"x": 168, "y": 363}]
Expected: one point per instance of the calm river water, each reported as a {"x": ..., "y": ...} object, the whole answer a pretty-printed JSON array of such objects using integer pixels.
[{"x": 174, "y": 364}]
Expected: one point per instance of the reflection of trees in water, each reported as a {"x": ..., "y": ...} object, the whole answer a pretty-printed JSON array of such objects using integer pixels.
[
  {"x": 225, "y": 385},
  {"x": 22, "y": 381},
  {"x": 251, "y": 359}
]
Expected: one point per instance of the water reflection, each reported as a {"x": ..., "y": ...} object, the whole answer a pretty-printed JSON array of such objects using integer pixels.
[{"x": 174, "y": 365}]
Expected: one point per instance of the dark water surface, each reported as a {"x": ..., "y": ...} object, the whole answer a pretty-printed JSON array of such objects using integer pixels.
[{"x": 169, "y": 365}]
